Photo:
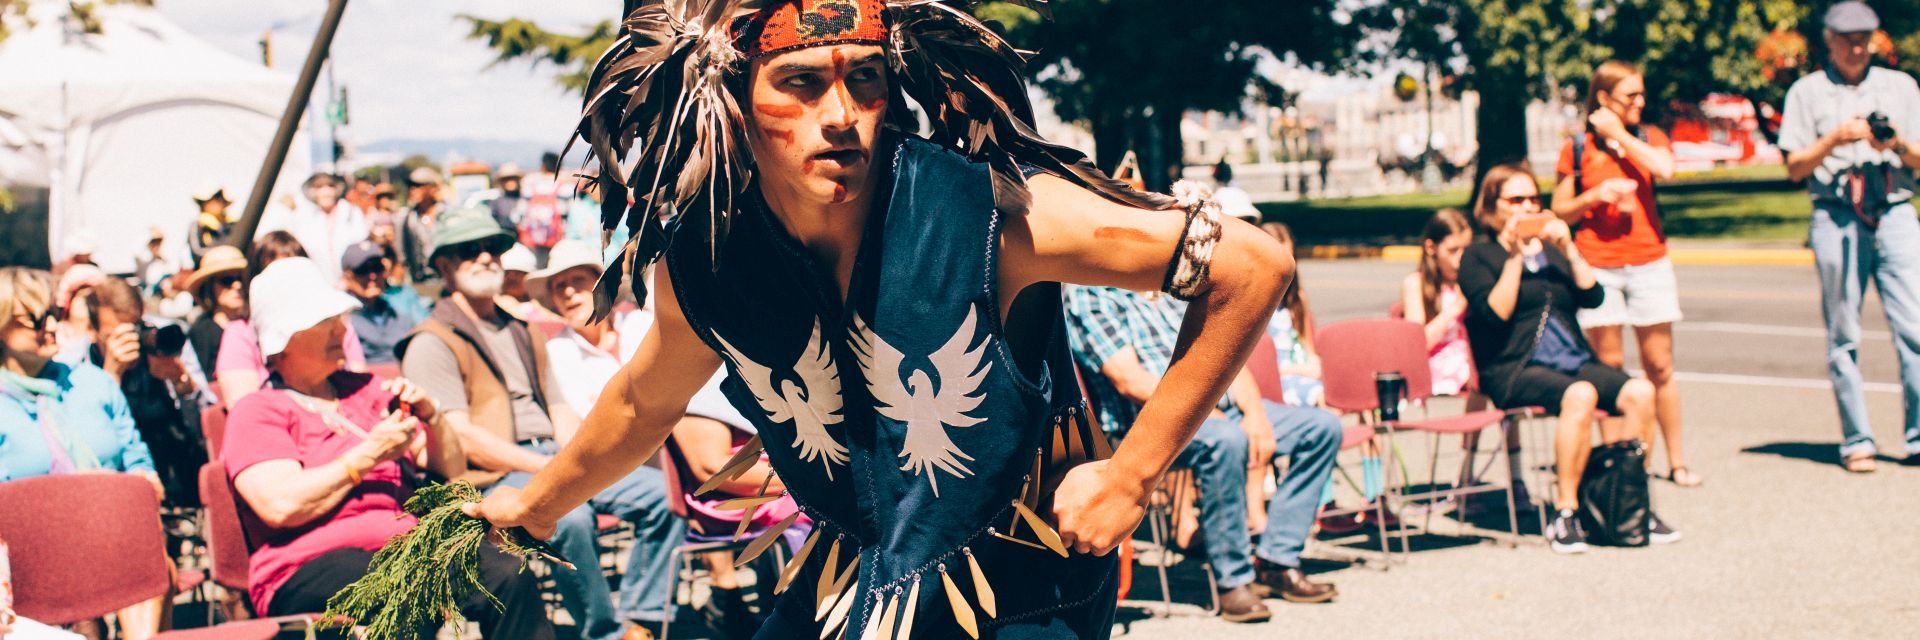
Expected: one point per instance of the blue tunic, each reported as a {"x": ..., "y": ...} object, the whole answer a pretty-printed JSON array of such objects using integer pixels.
[{"x": 898, "y": 418}]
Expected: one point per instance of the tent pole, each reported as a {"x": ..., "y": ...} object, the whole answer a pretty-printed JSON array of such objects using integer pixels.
[{"x": 241, "y": 235}]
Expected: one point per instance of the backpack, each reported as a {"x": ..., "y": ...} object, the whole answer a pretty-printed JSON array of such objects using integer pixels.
[{"x": 545, "y": 222}]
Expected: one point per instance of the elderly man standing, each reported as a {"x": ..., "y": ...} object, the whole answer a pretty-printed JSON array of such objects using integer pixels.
[
  {"x": 1846, "y": 133},
  {"x": 489, "y": 372},
  {"x": 325, "y": 223},
  {"x": 415, "y": 226}
]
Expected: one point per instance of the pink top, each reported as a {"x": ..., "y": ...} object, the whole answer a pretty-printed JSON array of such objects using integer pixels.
[
  {"x": 1451, "y": 361},
  {"x": 269, "y": 425},
  {"x": 240, "y": 350},
  {"x": 704, "y": 513}
]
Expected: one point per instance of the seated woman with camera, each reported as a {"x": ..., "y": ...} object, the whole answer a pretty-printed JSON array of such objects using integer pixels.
[
  {"x": 323, "y": 459},
  {"x": 60, "y": 419},
  {"x": 1523, "y": 280},
  {"x": 157, "y": 372}
]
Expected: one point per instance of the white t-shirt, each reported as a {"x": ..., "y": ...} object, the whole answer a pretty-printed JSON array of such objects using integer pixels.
[{"x": 583, "y": 370}]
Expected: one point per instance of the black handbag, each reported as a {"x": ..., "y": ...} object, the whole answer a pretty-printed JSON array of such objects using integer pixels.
[{"x": 1614, "y": 504}]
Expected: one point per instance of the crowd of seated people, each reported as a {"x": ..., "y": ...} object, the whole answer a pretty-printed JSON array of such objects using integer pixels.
[{"x": 348, "y": 379}]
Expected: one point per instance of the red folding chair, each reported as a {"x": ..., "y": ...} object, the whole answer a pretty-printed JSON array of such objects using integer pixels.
[
  {"x": 672, "y": 462},
  {"x": 1359, "y": 350},
  {"x": 87, "y": 545},
  {"x": 213, "y": 425}
]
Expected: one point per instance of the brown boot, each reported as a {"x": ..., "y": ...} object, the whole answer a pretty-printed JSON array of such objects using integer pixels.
[
  {"x": 1293, "y": 585},
  {"x": 1242, "y": 604}
]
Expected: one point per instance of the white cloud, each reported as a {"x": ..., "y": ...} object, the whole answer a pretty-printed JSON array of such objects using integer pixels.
[{"x": 409, "y": 68}]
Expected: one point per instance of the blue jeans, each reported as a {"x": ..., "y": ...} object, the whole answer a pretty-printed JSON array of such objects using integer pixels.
[
  {"x": 1218, "y": 457},
  {"x": 640, "y": 499},
  {"x": 1849, "y": 256}
]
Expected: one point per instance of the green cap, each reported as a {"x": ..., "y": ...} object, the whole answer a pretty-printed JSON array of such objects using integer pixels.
[{"x": 465, "y": 225}]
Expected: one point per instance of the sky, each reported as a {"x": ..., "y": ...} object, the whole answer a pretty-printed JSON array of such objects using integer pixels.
[{"x": 409, "y": 68}]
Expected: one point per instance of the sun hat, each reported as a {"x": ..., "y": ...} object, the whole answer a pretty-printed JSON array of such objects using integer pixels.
[
  {"x": 77, "y": 277},
  {"x": 423, "y": 175},
  {"x": 566, "y": 254},
  {"x": 519, "y": 258},
  {"x": 209, "y": 192},
  {"x": 218, "y": 260},
  {"x": 509, "y": 170},
  {"x": 465, "y": 225},
  {"x": 291, "y": 296}
]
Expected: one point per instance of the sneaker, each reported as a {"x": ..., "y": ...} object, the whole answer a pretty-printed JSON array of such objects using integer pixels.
[
  {"x": 1565, "y": 535},
  {"x": 1658, "y": 532}
]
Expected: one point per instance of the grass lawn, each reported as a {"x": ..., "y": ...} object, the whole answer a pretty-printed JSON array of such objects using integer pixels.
[{"x": 1753, "y": 209}]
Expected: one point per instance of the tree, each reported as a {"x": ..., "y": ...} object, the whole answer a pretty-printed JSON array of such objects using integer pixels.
[
  {"x": 574, "y": 55},
  {"x": 1130, "y": 69},
  {"x": 13, "y": 14},
  {"x": 1513, "y": 51}
]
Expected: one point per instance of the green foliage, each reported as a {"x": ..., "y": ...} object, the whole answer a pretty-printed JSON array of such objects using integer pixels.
[
  {"x": 417, "y": 582},
  {"x": 515, "y": 38}
]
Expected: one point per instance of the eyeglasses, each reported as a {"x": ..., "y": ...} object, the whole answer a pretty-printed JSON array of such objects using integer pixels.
[
  {"x": 370, "y": 269},
  {"x": 1518, "y": 200},
  {"x": 222, "y": 282}
]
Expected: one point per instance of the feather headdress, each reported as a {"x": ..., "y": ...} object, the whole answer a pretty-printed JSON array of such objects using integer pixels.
[{"x": 669, "y": 138}]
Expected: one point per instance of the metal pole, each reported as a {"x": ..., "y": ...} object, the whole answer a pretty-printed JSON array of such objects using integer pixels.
[{"x": 241, "y": 235}]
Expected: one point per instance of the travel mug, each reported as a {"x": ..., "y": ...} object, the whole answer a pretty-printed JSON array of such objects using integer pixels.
[{"x": 1391, "y": 388}]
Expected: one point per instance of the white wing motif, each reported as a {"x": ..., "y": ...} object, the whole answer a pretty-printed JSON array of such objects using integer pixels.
[
  {"x": 926, "y": 412},
  {"x": 810, "y": 408}
]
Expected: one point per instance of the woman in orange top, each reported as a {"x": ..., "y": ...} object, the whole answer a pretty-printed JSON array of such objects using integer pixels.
[{"x": 1610, "y": 199}]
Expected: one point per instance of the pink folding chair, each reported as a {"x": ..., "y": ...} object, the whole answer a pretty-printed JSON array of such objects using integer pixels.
[
  {"x": 1360, "y": 349},
  {"x": 87, "y": 545},
  {"x": 213, "y": 425}
]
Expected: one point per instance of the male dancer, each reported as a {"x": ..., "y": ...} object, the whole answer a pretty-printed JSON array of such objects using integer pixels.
[{"x": 889, "y": 311}]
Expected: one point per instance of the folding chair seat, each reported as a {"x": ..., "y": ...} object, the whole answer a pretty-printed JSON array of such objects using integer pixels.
[
  {"x": 1358, "y": 350},
  {"x": 87, "y": 545}
]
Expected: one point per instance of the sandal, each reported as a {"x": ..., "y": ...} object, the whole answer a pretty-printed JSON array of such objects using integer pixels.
[
  {"x": 1685, "y": 477},
  {"x": 1860, "y": 463}
]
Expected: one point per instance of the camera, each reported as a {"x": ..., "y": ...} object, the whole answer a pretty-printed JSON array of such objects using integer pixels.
[
  {"x": 1882, "y": 129},
  {"x": 166, "y": 340}
]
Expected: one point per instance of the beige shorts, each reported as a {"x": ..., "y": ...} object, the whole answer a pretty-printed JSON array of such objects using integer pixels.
[{"x": 1639, "y": 295}]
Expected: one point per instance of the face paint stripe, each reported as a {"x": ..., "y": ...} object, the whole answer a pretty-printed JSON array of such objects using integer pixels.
[
  {"x": 778, "y": 110},
  {"x": 782, "y": 135}
]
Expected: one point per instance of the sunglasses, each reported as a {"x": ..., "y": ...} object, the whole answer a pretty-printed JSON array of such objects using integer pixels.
[
  {"x": 43, "y": 322},
  {"x": 1518, "y": 200},
  {"x": 371, "y": 268},
  {"x": 222, "y": 282},
  {"x": 469, "y": 250}
]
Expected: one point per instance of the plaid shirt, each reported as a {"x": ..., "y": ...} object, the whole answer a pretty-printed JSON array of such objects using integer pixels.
[{"x": 1103, "y": 320}]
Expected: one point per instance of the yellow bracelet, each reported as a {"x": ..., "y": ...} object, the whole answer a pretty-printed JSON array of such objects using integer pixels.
[{"x": 353, "y": 475}]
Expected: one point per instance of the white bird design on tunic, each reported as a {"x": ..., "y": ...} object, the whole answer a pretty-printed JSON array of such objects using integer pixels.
[
  {"x": 925, "y": 411},
  {"x": 811, "y": 408}
]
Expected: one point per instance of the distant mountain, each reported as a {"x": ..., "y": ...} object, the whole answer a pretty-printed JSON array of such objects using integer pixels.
[{"x": 525, "y": 153}]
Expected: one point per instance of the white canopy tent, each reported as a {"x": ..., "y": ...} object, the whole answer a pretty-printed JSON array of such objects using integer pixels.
[{"x": 124, "y": 125}]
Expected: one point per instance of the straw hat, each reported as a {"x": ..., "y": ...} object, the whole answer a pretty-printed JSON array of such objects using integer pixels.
[{"x": 218, "y": 260}]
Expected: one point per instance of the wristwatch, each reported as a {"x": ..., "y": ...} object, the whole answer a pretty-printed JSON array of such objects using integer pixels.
[{"x": 1899, "y": 147}]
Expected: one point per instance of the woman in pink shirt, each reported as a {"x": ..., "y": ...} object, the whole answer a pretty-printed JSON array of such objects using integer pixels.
[
  {"x": 323, "y": 459},
  {"x": 239, "y": 368}
]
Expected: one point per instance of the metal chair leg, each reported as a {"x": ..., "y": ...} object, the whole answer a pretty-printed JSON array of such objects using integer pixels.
[{"x": 673, "y": 594}]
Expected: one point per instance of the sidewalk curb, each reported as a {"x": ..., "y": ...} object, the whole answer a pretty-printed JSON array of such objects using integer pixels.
[{"x": 1679, "y": 256}]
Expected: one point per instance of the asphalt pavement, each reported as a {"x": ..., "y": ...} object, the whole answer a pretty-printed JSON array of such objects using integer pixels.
[{"x": 1779, "y": 542}]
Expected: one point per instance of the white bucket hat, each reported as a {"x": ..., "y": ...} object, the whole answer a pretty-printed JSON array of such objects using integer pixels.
[
  {"x": 291, "y": 296},
  {"x": 519, "y": 258},
  {"x": 566, "y": 254}
]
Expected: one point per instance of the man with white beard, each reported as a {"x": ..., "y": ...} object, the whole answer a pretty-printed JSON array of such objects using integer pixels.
[{"x": 487, "y": 371}]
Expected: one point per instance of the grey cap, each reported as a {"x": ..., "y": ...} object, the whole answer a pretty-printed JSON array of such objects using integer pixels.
[{"x": 1851, "y": 16}]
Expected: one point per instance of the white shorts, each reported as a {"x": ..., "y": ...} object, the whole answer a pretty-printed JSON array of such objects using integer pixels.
[{"x": 1639, "y": 295}]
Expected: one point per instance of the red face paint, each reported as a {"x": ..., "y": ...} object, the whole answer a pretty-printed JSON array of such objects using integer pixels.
[
  {"x": 839, "y": 193},
  {"x": 782, "y": 135},
  {"x": 778, "y": 110},
  {"x": 807, "y": 166}
]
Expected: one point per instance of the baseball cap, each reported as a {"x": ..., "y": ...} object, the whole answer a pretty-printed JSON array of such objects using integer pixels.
[
  {"x": 360, "y": 253},
  {"x": 1851, "y": 16},
  {"x": 290, "y": 296}
]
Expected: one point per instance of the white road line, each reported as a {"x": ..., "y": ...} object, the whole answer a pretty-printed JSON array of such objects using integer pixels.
[
  {"x": 1769, "y": 381},
  {"x": 1772, "y": 330}
]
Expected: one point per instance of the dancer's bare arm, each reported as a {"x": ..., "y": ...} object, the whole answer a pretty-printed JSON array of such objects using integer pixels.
[
  {"x": 1074, "y": 236},
  {"x": 632, "y": 418}
]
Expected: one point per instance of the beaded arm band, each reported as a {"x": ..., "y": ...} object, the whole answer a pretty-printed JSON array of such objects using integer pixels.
[{"x": 1187, "y": 274}]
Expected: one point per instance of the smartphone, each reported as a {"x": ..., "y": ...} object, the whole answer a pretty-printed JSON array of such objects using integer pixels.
[{"x": 1529, "y": 227}]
